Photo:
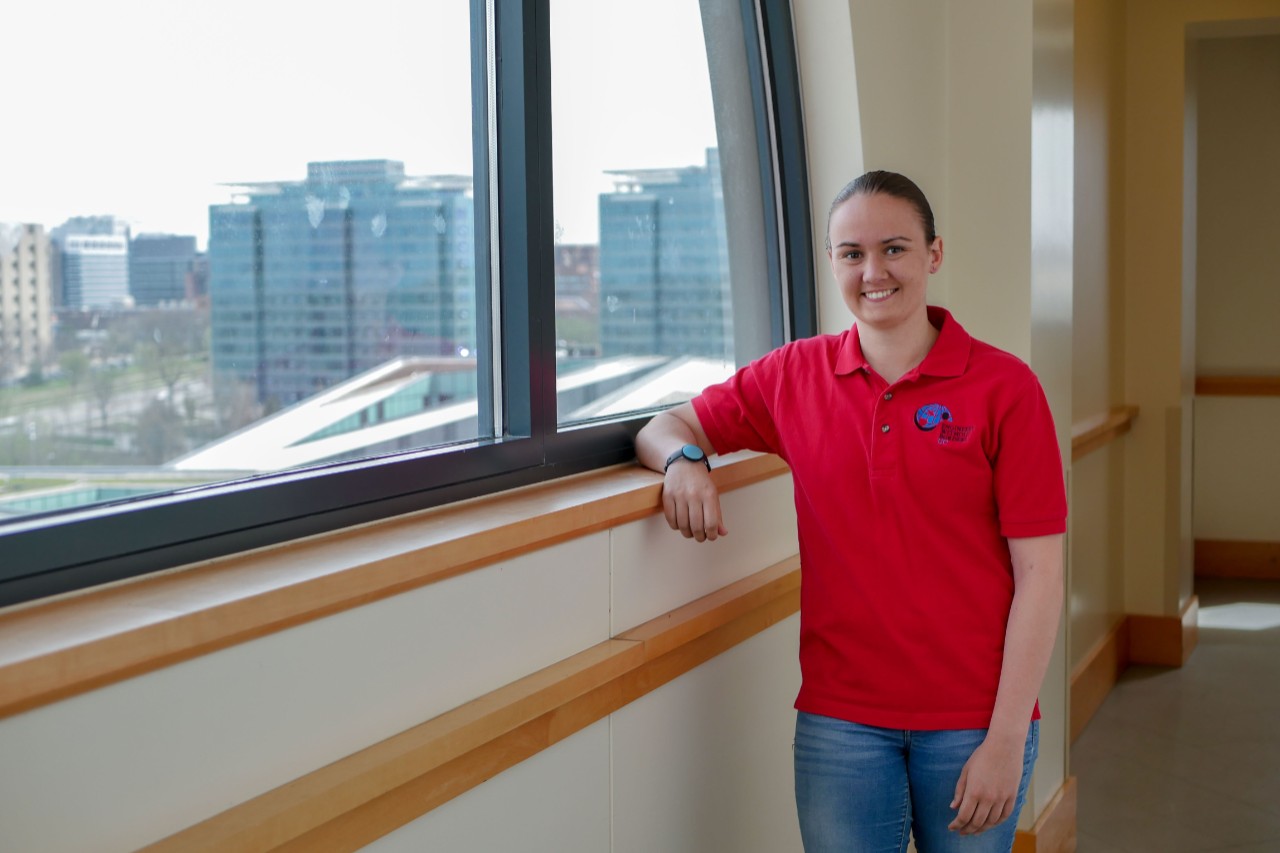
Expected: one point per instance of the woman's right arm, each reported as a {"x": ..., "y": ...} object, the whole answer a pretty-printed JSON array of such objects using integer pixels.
[{"x": 690, "y": 499}]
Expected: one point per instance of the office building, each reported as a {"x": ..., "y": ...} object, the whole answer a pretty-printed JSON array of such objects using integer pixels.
[
  {"x": 314, "y": 281},
  {"x": 26, "y": 317},
  {"x": 664, "y": 264},
  {"x": 161, "y": 268},
  {"x": 91, "y": 263}
]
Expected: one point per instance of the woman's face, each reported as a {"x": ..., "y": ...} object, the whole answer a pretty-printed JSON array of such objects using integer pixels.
[{"x": 880, "y": 259}]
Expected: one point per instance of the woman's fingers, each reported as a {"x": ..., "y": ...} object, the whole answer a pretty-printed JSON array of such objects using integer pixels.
[{"x": 691, "y": 505}]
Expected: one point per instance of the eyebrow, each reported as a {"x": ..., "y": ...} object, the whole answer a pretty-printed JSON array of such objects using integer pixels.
[{"x": 883, "y": 242}]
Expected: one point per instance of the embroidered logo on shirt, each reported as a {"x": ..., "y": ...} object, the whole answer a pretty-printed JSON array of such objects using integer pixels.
[
  {"x": 928, "y": 417},
  {"x": 937, "y": 416}
]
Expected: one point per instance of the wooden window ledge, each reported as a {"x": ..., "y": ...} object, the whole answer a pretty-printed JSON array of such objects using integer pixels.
[{"x": 59, "y": 647}]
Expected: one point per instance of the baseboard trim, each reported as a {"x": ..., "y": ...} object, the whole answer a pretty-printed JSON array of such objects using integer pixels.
[
  {"x": 1094, "y": 677},
  {"x": 1225, "y": 558},
  {"x": 1164, "y": 640},
  {"x": 1135, "y": 638},
  {"x": 1055, "y": 829}
]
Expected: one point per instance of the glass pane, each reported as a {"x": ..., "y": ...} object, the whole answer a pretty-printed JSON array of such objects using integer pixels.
[
  {"x": 645, "y": 300},
  {"x": 242, "y": 242}
]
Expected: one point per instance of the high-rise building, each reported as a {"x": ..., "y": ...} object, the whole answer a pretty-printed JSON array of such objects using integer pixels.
[
  {"x": 91, "y": 262},
  {"x": 26, "y": 316},
  {"x": 161, "y": 268},
  {"x": 664, "y": 263},
  {"x": 314, "y": 281}
]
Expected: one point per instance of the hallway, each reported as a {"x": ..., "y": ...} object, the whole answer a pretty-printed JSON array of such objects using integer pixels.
[{"x": 1189, "y": 759}]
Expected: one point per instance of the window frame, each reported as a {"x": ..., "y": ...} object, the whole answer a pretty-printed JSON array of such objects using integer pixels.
[{"x": 51, "y": 553}]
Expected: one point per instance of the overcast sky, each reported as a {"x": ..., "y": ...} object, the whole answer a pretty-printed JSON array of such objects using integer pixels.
[{"x": 143, "y": 108}]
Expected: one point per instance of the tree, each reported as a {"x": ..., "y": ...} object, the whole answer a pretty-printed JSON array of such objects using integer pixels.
[
  {"x": 159, "y": 435},
  {"x": 103, "y": 383},
  {"x": 169, "y": 338},
  {"x": 236, "y": 405},
  {"x": 165, "y": 363},
  {"x": 75, "y": 366}
]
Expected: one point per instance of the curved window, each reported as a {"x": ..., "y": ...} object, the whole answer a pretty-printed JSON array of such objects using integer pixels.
[{"x": 497, "y": 233}]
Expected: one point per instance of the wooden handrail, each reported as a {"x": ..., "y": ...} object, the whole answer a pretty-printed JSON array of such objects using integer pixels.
[
  {"x": 60, "y": 647},
  {"x": 1238, "y": 386},
  {"x": 352, "y": 802},
  {"x": 1092, "y": 433}
]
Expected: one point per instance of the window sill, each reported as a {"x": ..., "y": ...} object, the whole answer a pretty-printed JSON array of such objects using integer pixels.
[{"x": 60, "y": 647}]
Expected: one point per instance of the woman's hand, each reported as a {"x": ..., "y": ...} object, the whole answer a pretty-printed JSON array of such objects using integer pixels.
[
  {"x": 988, "y": 786},
  {"x": 690, "y": 498},
  {"x": 691, "y": 502}
]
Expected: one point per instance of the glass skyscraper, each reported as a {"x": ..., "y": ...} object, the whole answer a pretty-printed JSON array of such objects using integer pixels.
[
  {"x": 160, "y": 268},
  {"x": 664, "y": 263},
  {"x": 312, "y": 282}
]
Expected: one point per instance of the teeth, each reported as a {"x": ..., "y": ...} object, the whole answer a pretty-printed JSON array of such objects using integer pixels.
[{"x": 878, "y": 295}]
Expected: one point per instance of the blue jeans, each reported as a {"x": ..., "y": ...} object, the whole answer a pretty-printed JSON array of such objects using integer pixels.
[{"x": 861, "y": 789}]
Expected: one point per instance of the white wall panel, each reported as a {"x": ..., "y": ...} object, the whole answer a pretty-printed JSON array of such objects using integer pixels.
[
  {"x": 140, "y": 759},
  {"x": 704, "y": 763},
  {"x": 555, "y": 802},
  {"x": 655, "y": 569}
]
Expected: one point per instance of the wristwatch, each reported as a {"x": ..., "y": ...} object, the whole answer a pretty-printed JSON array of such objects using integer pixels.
[{"x": 692, "y": 452}]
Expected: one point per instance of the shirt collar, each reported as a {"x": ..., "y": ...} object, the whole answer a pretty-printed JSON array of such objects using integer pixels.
[{"x": 947, "y": 357}]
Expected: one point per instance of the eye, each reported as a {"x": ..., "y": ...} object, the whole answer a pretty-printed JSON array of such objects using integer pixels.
[{"x": 895, "y": 250}]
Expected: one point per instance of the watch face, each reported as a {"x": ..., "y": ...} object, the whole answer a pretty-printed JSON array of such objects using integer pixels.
[{"x": 694, "y": 452}]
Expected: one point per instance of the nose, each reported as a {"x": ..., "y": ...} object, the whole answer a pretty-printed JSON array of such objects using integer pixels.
[{"x": 873, "y": 269}]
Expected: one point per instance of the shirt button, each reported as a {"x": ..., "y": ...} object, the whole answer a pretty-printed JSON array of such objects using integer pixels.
[
  {"x": 884, "y": 428},
  {"x": 888, "y": 395}
]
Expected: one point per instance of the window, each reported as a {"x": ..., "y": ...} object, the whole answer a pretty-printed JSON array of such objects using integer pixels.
[{"x": 494, "y": 233}]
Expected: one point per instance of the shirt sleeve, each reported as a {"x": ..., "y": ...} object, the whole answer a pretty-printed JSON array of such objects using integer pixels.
[
  {"x": 1031, "y": 495},
  {"x": 740, "y": 413}
]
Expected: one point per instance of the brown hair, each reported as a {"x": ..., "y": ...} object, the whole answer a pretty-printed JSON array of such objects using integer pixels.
[{"x": 889, "y": 183}]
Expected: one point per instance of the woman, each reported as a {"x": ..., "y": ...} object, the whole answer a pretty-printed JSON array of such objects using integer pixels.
[{"x": 931, "y": 508}]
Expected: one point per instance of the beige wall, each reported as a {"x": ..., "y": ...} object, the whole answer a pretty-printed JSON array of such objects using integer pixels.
[
  {"x": 1238, "y": 287},
  {"x": 1237, "y": 460},
  {"x": 882, "y": 112},
  {"x": 1052, "y": 114},
  {"x": 1096, "y": 600}
]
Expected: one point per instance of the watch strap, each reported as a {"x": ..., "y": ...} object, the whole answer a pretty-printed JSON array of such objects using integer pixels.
[{"x": 689, "y": 452}]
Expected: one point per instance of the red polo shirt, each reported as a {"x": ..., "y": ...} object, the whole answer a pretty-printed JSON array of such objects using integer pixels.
[{"x": 905, "y": 495}]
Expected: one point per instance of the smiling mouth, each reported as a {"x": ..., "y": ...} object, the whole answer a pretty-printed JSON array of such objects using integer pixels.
[{"x": 879, "y": 295}]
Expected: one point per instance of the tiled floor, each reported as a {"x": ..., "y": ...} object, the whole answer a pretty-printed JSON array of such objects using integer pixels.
[{"x": 1189, "y": 759}]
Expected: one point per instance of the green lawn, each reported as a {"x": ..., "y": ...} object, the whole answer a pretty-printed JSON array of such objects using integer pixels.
[
  {"x": 13, "y": 485},
  {"x": 60, "y": 391}
]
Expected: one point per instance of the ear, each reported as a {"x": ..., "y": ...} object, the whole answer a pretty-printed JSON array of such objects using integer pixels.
[{"x": 935, "y": 255}]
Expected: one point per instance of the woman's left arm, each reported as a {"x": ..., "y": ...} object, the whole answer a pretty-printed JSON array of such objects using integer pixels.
[{"x": 988, "y": 785}]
